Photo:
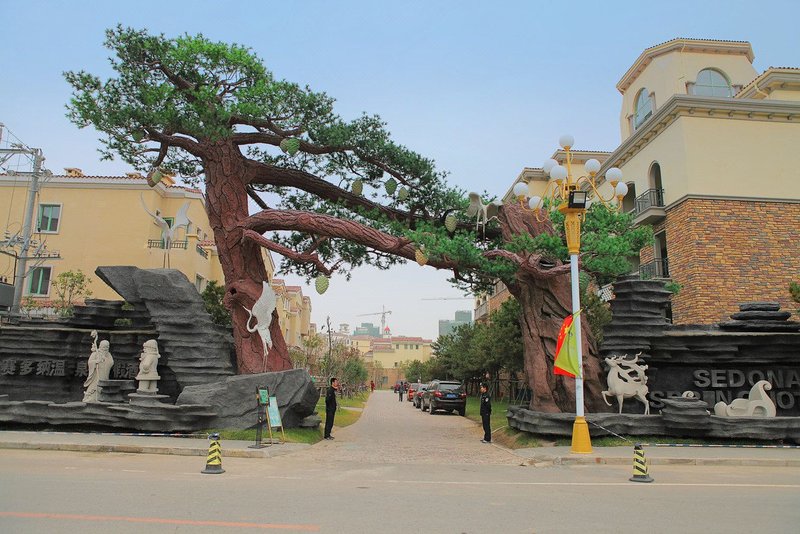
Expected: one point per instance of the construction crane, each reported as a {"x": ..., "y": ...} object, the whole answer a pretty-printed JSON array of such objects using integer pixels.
[{"x": 383, "y": 315}]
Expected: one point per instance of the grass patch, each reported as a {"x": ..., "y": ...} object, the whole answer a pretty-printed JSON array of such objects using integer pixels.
[
  {"x": 293, "y": 435},
  {"x": 627, "y": 441},
  {"x": 344, "y": 417},
  {"x": 498, "y": 417}
]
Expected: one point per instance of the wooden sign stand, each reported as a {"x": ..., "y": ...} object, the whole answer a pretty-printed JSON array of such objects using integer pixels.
[{"x": 274, "y": 418}]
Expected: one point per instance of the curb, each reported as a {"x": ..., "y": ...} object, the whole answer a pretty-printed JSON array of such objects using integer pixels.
[
  {"x": 539, "y": 461},
  {"x": 135, "y": 449}
]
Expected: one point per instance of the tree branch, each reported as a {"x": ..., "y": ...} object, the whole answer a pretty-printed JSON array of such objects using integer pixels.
[
  {"x": 257, "y": 199},
  {"x": 189, "y": 145},
  {"x": 303, "y": 257},
  {"x": 529, "y": 263},
  {"x": 328, "y": 226}
]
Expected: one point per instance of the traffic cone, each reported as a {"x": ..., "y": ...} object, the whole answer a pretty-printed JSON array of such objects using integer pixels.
[
  {"x": 214, "y": 460},
  {"x": 639, "y": 465}
]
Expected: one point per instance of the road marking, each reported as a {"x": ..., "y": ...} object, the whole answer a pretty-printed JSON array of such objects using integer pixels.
[
  {"x": 677, "y": 484},
  {"x": 598, "y": 484},
  {"x": 160, "y": 520},
  {"x": 134, "y": 471}
]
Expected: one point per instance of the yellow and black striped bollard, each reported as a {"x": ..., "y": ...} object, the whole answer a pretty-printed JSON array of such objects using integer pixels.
[
  {"x": 639, "y": 465},
  {"x": 214, "y": 460}
]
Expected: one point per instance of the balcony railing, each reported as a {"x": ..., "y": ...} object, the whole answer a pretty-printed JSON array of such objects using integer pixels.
[
  {"x": 652, "y": 198},
  {"x": 159, "y": 243},
  {"x": 654, "y": 269},
  {"x": 648, "y": 208},
  {"x": 203, "y": 252}
]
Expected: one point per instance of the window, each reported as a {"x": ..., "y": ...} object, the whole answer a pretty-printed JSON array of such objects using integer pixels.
[
  {"x": 643, "y": 110},
  {"x": 169, "y": 220},
  {"x": 39, "y": 283},
  {"x": 711, "y": 82},
  {"x": 49, "y": 216},
  {"x": 199, "y": 283}
]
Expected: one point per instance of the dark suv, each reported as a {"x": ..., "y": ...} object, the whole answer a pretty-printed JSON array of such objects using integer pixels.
[{"x": 445, "y": 395}]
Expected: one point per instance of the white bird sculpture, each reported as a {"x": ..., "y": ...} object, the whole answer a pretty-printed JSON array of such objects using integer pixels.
[
  {"x": 482, "y": 212},
  {"x": 168, "y": 232},
  {"x": 262, "y": 311}
]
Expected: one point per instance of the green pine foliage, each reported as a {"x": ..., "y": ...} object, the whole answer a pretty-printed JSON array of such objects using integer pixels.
[{"x": 212, "y": 298}]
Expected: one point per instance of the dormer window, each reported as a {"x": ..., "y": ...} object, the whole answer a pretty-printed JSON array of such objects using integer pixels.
[
  {"x": 711, "y": 82},
  {"x": 644, "y": 108}
]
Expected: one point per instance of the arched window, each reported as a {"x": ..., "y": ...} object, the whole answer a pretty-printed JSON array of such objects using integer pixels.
[
  {"x": 644, "y": 108},
  {"x": 711, "y": 82},
  {"x": 655, "y": 176}
]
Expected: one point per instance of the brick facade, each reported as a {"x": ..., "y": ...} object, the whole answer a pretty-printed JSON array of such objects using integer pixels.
[{"x": 725, "y": 252}]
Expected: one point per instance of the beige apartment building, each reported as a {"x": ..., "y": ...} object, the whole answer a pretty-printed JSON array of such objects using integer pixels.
[
  {"x": 88, "y": 221},
  {"x": 709, "y": 151}
]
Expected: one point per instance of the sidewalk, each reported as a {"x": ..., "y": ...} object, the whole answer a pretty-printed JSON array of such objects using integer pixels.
[
  {"x": 667, "y": 455},
  {"x": 540, "y": 456},
  {"x": 138, "y": 443}
]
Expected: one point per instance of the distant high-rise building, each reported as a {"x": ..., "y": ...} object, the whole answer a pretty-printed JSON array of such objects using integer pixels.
[
  {"x": 367, "y": 329},
  {"x": 446, "y": 326}
]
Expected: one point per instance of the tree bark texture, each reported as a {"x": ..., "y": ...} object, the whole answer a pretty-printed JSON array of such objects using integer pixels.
[
  {"x": 545, "y": 302},
  {"x": 241, "y": 260}
]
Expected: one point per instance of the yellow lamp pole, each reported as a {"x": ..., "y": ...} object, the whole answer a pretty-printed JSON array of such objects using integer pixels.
[{"x": 573, "y": 205}]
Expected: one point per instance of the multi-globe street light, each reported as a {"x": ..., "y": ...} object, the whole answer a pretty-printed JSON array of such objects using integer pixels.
[{"x": 571, "y": 197}]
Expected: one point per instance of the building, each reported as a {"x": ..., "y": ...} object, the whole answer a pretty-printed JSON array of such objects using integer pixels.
[
  {"x": 367, "y": 329},
  {"x": 446, "y": 326},
  {"x": 87, "y": 221},
  {"x": 709, "y": 153}
]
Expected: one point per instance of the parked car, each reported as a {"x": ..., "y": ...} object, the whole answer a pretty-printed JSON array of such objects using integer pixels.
[
  {"x": 445, "y": 395},
  {"x": 412, "y": 389},
  {"x": 419, "y": 394}
]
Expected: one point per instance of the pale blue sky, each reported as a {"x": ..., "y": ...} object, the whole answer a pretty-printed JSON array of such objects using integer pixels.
[{"x": 484, "y": 88}]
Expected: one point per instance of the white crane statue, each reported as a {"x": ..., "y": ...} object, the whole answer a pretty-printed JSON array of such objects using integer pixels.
[
  {"x": 262, "y": 311},
  {"x": 482, "y": 212},
  {"x": 168, "y": 232}
]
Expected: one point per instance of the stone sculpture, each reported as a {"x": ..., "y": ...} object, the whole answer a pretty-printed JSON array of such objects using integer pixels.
[
  {"x": 757, "y": 403},
  {"x": 626, "y": 378},
  {"x": 148, "y": 368},
  {"x": 99, "y": 367},
  {"x": 262, "y": 311}
]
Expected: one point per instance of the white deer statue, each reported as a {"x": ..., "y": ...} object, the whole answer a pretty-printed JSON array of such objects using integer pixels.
[{"x": 626, "y": 378}]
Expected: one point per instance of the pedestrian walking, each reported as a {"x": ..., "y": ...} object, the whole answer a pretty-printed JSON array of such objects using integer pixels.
[
  {"x": 371, "y": 386},
  {"x": 400, "y": 391},
  {"x": 486, "y": 413},
  {"x": 330, "y": 407}
]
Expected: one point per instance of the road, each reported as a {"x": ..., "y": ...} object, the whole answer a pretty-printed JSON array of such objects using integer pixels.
[{"x": 395, "y": 471}]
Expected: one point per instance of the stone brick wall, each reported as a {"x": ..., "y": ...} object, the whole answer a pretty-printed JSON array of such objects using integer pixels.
[{"x": 725, "y": 252}]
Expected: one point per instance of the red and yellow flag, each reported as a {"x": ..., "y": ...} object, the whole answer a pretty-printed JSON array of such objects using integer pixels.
[{"x": 567, "y": 350}]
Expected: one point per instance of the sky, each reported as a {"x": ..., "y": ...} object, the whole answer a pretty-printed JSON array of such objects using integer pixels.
[{"x": 483, "y": 88}]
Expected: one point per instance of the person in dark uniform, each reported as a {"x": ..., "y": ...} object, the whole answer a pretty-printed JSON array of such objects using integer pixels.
[
  {"x": 401, "y": 390},
  {"x": 486, "y": 412},
  {"x": 330, "y": 407}
]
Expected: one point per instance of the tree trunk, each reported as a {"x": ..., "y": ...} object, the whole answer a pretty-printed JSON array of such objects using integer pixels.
[
  {"x": 545, "y": 302},
  {"x": 241, "y": 260}
]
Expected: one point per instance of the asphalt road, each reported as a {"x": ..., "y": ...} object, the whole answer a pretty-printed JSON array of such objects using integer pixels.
[{"x": 396, "y": 470}]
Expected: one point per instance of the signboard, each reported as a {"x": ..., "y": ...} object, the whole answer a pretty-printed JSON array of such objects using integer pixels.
[
  {"x": 263, "y": 396},
  {"x": 273, "y": 414}
]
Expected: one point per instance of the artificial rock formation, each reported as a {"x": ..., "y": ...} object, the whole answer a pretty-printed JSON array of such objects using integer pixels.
[
  {"x": 191, "y": 346},
  {"x": 234, "y": 399}
]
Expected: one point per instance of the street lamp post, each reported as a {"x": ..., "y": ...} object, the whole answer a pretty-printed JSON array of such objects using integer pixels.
[{"x": 572, "y": 197}]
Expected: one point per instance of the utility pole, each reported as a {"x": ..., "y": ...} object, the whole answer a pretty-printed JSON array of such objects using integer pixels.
[
  {"x": 22, "y": 259},
  {"x": 22, "y": 264}
]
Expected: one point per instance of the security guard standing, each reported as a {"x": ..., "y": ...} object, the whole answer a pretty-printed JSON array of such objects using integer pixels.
[
  {"x": 486, "y": 412},
  {"x": 330, "y": 407}
]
